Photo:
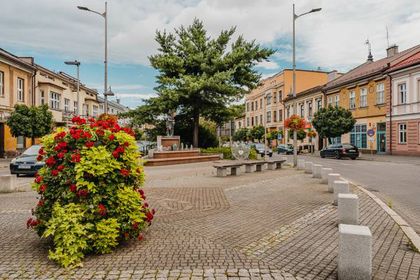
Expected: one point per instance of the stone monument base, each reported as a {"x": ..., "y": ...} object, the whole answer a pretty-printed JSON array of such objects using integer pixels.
[{"x": 165, "y": 143}]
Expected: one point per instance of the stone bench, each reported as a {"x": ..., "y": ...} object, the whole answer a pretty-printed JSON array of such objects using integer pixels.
[
  {"x": 274, "y": 164},
  {"x": 7, "y": 183},
  {"x": 250, "y": 164},
  {"x": 221, "y": 168}
]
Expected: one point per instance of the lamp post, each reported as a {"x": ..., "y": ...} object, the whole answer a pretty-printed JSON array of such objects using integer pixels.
[
  {"x": 265, "y": 124},
  {"x": 77, "y": 64},
  {"x": 105, "y": 16},
  {"x": 295, "y": 17}
]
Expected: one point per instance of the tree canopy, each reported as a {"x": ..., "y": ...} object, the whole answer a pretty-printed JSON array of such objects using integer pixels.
[
  {"x": 201, "y": 76},
  {"x": 32, "y": 122},
  {"x": 257, "y": 132},
  {"x": 333, "y": 122}
]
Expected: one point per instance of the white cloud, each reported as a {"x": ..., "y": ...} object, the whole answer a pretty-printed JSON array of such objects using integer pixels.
[
  {"x": 136, "y": 95},
  {"x": 332, "y": 38},
  {"x": 269, "y": 65}
]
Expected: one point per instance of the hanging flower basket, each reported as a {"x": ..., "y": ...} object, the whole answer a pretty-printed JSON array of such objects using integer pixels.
[
  {"x": 311, "y": 134},
  {"x": 295, "y": 123}
]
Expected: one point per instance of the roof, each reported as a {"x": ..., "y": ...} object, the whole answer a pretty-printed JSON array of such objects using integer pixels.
[
  {"x": 409, "y": 61},
  {"x": 21, "y": 61},
  {"x": 306, "y": 92},
  {"x": 372, "y": 68}
]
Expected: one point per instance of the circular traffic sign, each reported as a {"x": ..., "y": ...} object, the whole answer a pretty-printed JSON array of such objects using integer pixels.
[{"x": 371, "y": 132}]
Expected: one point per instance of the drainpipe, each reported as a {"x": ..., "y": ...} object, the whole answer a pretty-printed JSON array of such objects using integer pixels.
[
  {"x": 390, "y": 114},
  {"x": 33, "y": 88}
]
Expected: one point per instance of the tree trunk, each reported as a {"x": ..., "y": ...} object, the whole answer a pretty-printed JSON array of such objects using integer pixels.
[
  {"x": 196, "y": 126},
  {"x": 33, "y": 140}
]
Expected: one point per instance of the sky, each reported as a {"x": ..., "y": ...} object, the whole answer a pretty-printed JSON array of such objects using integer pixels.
[{"x": 53, "y": 31}]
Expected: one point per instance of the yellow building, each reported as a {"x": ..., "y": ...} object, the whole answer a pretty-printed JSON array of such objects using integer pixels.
[
  {"x": 16, "y": 87},
  {"x": 265, "y": 104},
  {"x": 363, "y": 90}
]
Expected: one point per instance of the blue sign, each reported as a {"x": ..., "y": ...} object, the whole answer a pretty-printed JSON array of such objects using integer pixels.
[
  {"x": 371, "y": 132},
  {"x": 279, "y": 137}
]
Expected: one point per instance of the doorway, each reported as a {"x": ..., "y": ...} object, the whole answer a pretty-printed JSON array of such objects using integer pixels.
[{"x": 381, "y": 138}]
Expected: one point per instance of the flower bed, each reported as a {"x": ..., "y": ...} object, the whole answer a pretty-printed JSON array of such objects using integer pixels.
[{"x": 89, "y": 190}]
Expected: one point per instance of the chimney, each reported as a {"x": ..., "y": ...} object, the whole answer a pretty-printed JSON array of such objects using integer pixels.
[{"x": 391, "y": 51}]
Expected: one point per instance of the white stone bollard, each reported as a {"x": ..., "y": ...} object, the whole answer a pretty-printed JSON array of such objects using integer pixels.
[
  {"x": 316, "y": 170},
  {"x": 308, "y": 167},
  {"x": 354, "y": 252},
  {"x": 348, "y": 209},
  {"x": 331, "y": 178},
  {"x": 324, "y": 174},
  {"x": 7, "y": 183},
  {"x": 300, "y": 164},
  {"x": 340, "y": 187}
]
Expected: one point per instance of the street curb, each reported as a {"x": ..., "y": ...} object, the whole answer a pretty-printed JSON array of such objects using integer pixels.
[{"x": 405, "y": 227}]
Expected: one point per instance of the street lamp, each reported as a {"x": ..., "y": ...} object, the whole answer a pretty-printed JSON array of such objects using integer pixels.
[
  {"x": 77, "y": 64},
  {"x": 105, "y": 16},
  {"x": 265, "y": 124},
  {"x": 295, "y": 16}
]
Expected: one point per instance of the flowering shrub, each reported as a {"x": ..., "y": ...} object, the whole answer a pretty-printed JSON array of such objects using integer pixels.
[
  {"x": 311, "y": 134},
  {"x": 89, "y": 190},
  {"x": 295, "y": 123}
]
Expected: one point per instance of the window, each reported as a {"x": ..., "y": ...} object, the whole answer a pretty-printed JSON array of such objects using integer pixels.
[
  {"x": 380, "y": 94},
  {"x": 95, "y": 113},
  {"x": 66, "y": 105},
  {"x": 363, "y": 97},
  {"x": 247, "y": 107},
  {"x": 302, "y": 110},
  {"x": 335, "y": 140},
  {"x": 252, "y": 106},
  {"x": 1, "y": 83},
  {"x": 337, "y": 100},
  {"x": 280, "y": 96},
  {"x": 261, "y": 119},
  {"x": 418, "y": 133},
  {"x": 55, "y": 100},
  {"x": 247, "y": 122},
  {"x": 20, "y": 89},
  {"x": 85, "y": 110},
  {"x": 358, "y": 136},
  {"x": 318, "y": 104},
  {"x": 288, "y": 112},
  {"x": 352, "y": 99},
  {"x": 256, "y": 120},
  {"x": 310, "y": 109},
  {"x": 252, "y": 121},
  {"x": 268, "y": 116},
  {"x": 269, "y": 99},
  {"x": 75, "y": 107},
  {"x": 260, "y": 103},
  {"x": 402, "y": 132},
  {"x": 280, "y": 115},
  {"x": 256, "y": 105},
  {"x": 275, "y": 98},
  {"x": 42, "y": 98},
  {"x": 329, "y": 101},
  {"x": 101, "y": 109},
  {"x": 274, "y": 116},
  {"x": 402, "y": 93}
]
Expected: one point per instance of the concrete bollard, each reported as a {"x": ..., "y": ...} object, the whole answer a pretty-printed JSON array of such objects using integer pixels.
[
  {"x": 324, "y": 174},
  {"x": 354, "y": 252},
  {"x": 308, "y": 167},
  {"x": 316, "y": 170},
  {"x": 340, "y": 187},
  {"x": 331, "y": 178},
  {"x": 300, "y": 164},
  {"x": 7, "y": 183},
  {"x": 348, "y": 209}
]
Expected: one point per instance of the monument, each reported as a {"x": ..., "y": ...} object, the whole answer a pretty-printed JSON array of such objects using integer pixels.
[{"x": 169, "y": 142}]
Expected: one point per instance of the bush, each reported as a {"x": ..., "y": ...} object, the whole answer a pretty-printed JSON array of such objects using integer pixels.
[
  {"x": 90, "y": 196},
  {"x": 227, "y": 152}
]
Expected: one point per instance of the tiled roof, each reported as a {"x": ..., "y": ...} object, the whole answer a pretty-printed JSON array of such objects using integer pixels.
[
  {"x": 370, "y": 68},
  {"x": 409, "y": 61}
]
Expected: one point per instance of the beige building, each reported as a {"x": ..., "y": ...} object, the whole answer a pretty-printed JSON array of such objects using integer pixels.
[{"x": 265, "y": 104}]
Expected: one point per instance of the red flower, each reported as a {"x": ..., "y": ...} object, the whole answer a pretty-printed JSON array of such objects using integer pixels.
[
  {"x": 38, "y": 179},
  {"x": 140, "y": 237},
  {"x": 125, "y": 172},
  {"x": 120, "y": 149},
  {"x": 128, "y": 131},
  {"x": 60, "y": 146},
  {"x": 42, "y": 188},
  {"x": 41, "y": 151},
  {"x": 61, "y": 155},
  {"x": 78, "y": 120},
  {"x": 60, "y": 135},
  {"x": 100, "y": 132},
  {"x": 87, "y": 134},
  {"x": 102, "y": 209},
  {"x": 39, "y": 158},
  {"x": 75, "y": 157},
  {"x": 32, "y": 223},
  {"x": 149, "y": 216},
  {"x": 111, "y": 137},
  {"x": 153, "y": 211},
  {"x": 136, "y": 226},
  {"x": 50, "y": 161},
  {"x": 295, "y": 123},
  {"x": 60, "y": 167},
  {"x": 40, "y": 203},
  {"x": 91, "y": 120},
  {"x": 126, "y": 235},
  {"x": 73, "y": 188},
  {"x": 82, "y": 193},
  {"x": 115, "y": 154},
  {"x": 55, "y": 172},
  {"x": 89, "y": 144}
]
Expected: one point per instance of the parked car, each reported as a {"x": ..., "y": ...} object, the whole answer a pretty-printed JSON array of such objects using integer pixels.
[
  {"x": 306, "y": 148},
  {"x": 285, "y": 149},
  {"x": 340, "y": 150},
  {"x": 260, "y": 148},
  {"x": 26, "y": 163}
]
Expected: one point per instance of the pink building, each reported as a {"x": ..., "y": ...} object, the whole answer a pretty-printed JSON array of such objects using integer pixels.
[{"x": 403, "y": 116}]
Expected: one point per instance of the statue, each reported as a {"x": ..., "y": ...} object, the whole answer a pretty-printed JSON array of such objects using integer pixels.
[
  {"x": 240, "y": 151},
  {"x": 170, "y": 124}
]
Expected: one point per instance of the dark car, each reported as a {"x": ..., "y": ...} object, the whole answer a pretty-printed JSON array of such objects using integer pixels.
[
  {"x": 26, "y": 163},
  {"x": 285, "y": 149},
  {"x": 260, "y": 148},
  {"x": 340, "y": 151}
]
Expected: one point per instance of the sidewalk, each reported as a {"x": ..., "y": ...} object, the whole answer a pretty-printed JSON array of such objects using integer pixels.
[{"x": 270, "y": 225}]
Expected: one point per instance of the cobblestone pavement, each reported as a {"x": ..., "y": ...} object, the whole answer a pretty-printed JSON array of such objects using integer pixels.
[{"x": 270, "y": 225}]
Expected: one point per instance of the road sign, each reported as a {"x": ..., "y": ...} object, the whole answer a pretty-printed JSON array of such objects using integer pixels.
[
  {"x": 371, "y": 132},
  {"x": 279, "y": 137},
  {"x": 370, "y": 139}
]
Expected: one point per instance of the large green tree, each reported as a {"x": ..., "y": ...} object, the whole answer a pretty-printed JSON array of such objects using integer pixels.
[
  {"x": 242, "y": 134},
  {"x": 333, "y": 122},
  {"x": 32, "y": 122},
  {"x": 200, "y": 76},
  {"x": 257, "y": 132}
]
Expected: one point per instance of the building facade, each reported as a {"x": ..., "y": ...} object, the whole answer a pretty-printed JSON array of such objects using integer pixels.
[
  {"x": 403, "y": 116},
  {"x": 16, "y": 87},
  {"x": 265, "y": 104},
  {"x": 364, "y": 90}
]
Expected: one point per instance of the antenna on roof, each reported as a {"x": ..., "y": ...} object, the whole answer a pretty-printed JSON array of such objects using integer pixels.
[
  {"x": 370, "y": 56},
  {"x": 387, "y": 36}
]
